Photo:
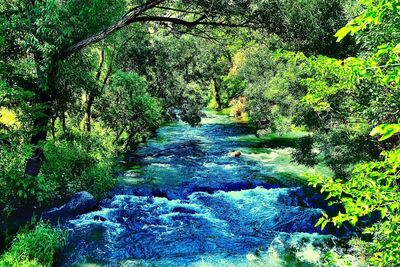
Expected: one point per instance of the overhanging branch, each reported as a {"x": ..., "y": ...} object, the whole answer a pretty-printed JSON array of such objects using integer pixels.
[
  {"x": 134, "y": 15},
  {"x": 200, "y": 21},
  {"x": 123, "y": 22}
]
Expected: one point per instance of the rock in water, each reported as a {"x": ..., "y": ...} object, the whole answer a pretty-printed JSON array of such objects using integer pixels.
[
  {"x": 80, "y": 202},
  {"x": 54, "y": 214},
  {"x": 99, "y": 218},
  {"x": 235, "y": 154}
]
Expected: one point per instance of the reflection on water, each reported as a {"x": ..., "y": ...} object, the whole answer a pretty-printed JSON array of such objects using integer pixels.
[{"x": 185, "y": 202}]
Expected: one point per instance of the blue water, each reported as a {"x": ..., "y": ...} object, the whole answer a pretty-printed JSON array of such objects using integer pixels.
[{"x": 184, "y": 202}]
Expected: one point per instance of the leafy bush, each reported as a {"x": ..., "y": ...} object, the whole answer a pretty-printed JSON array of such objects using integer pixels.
[
  {"x": 127, "y": 107},
  {"x": 364, "y": 90},
  {"x": 14, "y": 187},
  {"x": 304, "y": 153},
  {"x": 373, "y": 187},
  {"x": 34, "y": 248},
  {"x": 273, "y": 88},
  {"x": 233, "y": 86},
  {"x": 83, "y": 163}
]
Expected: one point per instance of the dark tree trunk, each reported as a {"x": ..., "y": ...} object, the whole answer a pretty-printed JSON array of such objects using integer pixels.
[
  {"x": 129, "y": 140},
  {"x": 89, "y": 104},
  {"x": 47, "y": 86},
  {"x": 217, "y": 93},
  {"x": 34, "y": 163},
  {"x": 63, "y": 110},
  {"x": 91, "y": 94},
  {"x": 40, "y": 125},
  {"x": 53, "y": 126},
  {"x": 64, "y": 127}
]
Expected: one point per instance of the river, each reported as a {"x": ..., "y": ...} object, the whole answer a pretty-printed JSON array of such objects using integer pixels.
[{"x": 184, "y": 202}]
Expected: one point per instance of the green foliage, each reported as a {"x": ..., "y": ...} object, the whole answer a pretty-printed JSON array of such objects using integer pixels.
[
  {"x": 372, "y": 187},
  {"x": 34, "y": 248},
  {"x": 273, "y": 88},
  {"x": 232, "y": 86},
  {"x": 307, "y": 26},
  {"x": 131, "y": 82},
  {"x": 127, "y": 107},
  {"x": 365, "y": 89},
  {"x": 84, "y": 163},
  {"x": 386, "y": 130},
  {"x": 12, "y": 187},
  {"x": 177, "y": 70},
  {"x": 304, "y": 154}
]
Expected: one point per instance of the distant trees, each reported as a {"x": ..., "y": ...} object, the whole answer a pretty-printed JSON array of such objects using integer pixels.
[{"x": 127, "y": 107}]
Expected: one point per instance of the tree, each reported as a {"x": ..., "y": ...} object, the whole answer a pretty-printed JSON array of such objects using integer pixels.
[
  {"x": 372, "y": 187},
  {"x": 53, "y": 31},
  {"x": 127, "y": 107}
]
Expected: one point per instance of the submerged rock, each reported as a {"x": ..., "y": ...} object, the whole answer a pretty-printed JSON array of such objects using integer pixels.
[
  {"x": 235, "y": 154},
  {"x": 80, "y": 202},
  {"x": 99, "y": 218},
  {"x": 183, "y": 210}
]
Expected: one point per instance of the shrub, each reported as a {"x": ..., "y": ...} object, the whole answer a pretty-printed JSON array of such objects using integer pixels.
[
  {"x": 34, "y": 248},
  {"x": 83, "y": 163},
  {"x": 372, "y": 187},
  {"x": 14, "y": 188}
]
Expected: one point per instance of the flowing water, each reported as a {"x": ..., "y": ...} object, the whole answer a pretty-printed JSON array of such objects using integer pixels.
[{"x": 184, "y": 202}]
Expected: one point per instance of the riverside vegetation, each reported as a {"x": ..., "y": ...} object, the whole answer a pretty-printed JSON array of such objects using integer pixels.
[{"x": 83, "y": 82}]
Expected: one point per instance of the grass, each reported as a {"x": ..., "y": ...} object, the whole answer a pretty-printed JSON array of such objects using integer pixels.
[
  {"x": 225, "y": 111},
  {"x": 34, "y": 248}
]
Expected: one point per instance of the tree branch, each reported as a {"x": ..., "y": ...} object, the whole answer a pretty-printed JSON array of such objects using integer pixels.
[
  {"x": 199, "y": 21},
  {"x": 179, "y": 10},
  {"x": 134, "y": 16},
  {"x": 122, "y": 22}
]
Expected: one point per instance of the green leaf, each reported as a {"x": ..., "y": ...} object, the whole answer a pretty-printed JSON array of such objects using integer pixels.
[
  {"x": 323, "y": 224},
  {"x": 320, "y": 220},
  {"x": 343, "y": 32},
  {"x": 385, "y": 130}
]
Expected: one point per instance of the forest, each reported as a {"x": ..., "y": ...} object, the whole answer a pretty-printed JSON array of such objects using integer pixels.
[{"x": 199, "y": 133}]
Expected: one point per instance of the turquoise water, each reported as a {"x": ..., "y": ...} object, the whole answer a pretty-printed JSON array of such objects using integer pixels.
[{"x": 184, "y": 202}]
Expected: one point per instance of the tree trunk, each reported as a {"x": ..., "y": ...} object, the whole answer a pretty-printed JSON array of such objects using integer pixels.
[
  {"x": 89, "y": 104},
  {"x": 34, "y": 163},
  {"x": 64, "y": 127},
  {"x": 91, "y": 94},
  {"x": 118, "y": 136},
  {"x": 217, "y": 93},
  {"x": 40, "y": 125},
  {"x": 129, "y": 140},
  {"x": 53, "y": 126},
  {"x": 45, "y": 93}
]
